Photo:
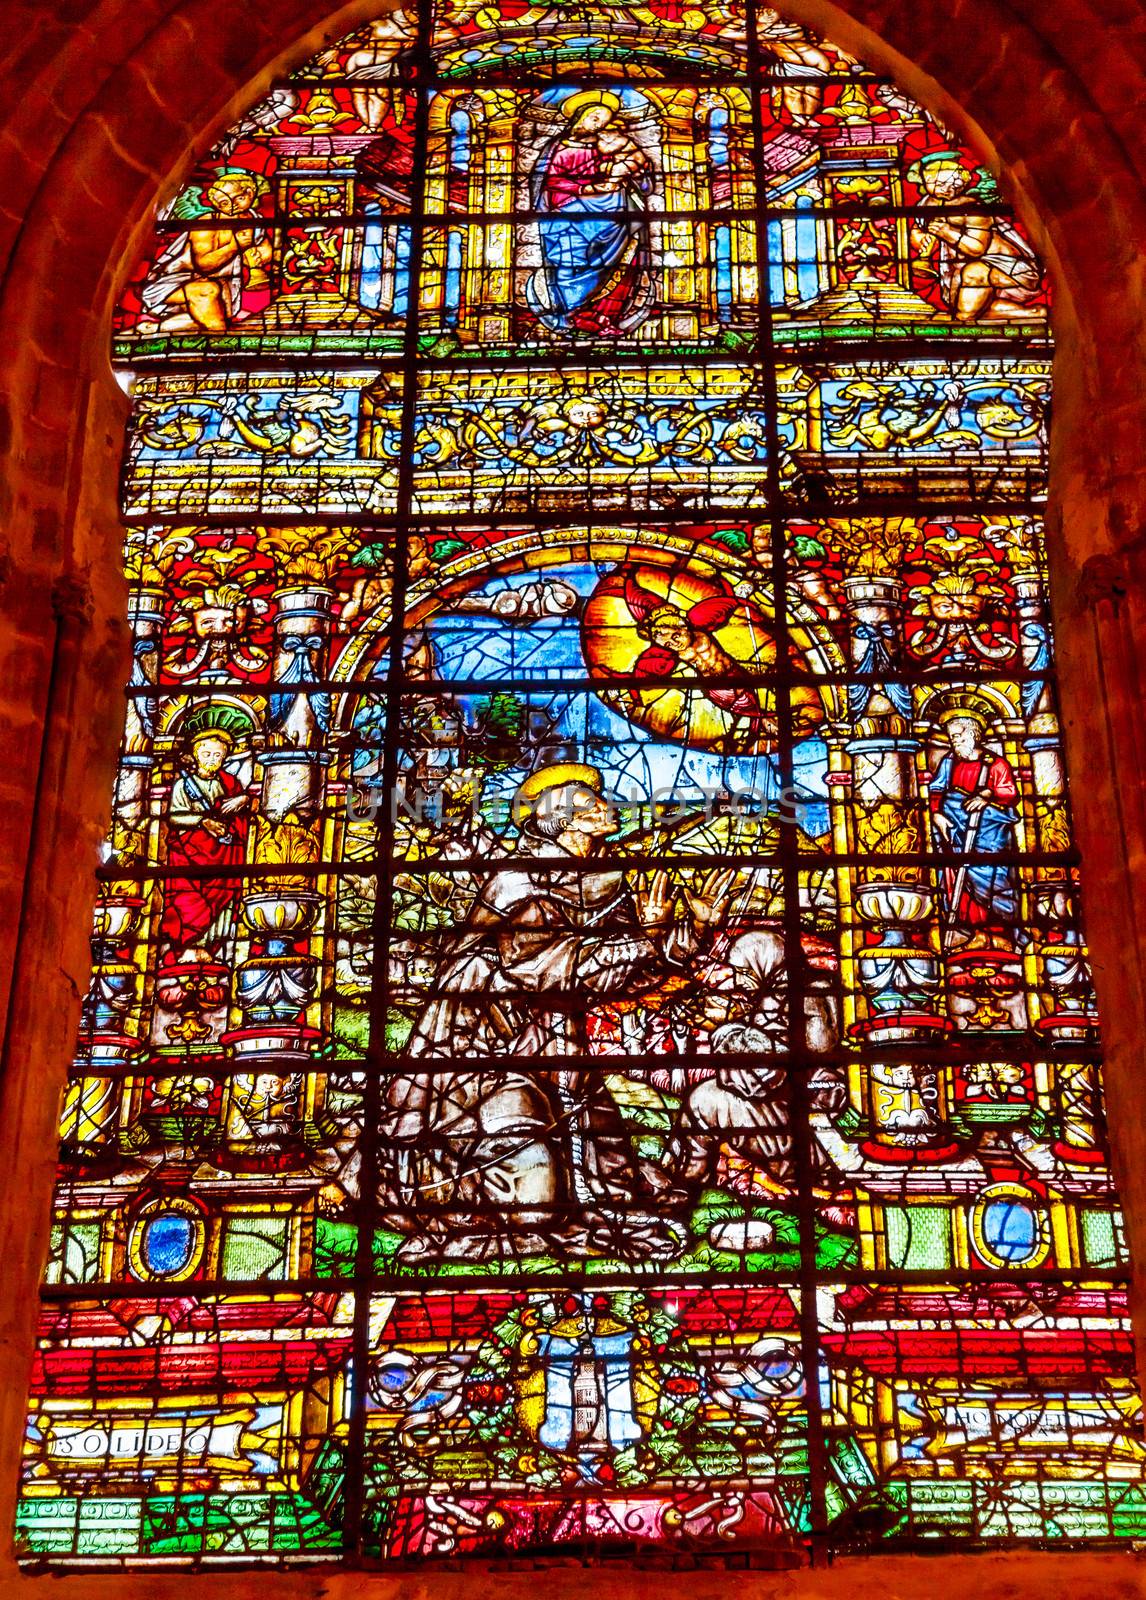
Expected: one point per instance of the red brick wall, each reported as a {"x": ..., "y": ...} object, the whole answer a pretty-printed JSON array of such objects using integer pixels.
[{"x": 104, "y": 103}]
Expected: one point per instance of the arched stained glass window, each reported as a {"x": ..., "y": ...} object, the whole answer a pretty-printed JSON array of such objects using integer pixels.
[{"x": 590, "y": 1045}]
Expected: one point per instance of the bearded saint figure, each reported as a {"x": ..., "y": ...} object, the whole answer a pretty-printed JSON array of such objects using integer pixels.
[
  {"x": 516, "y": 1151},
  {"x": 974, "y": 808},
  {"x": 207, "y": 826}
]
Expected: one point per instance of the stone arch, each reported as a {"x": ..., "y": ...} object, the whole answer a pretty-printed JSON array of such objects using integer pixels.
[{"x": 107, "y": 115}]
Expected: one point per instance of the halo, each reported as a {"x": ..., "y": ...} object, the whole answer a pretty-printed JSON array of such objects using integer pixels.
[
  {"x": 201, "y": 735},
  {"x": 540, "y": 783},
  {"x": 590, "y": 97},
  {"x": 966, "y": 714},
  {"x": 221, "y": 721}
]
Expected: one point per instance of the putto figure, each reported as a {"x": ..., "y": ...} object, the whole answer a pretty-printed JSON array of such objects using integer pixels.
[
  {"x": 210, "y": 277},
  {"x": 987, "y": 271}
]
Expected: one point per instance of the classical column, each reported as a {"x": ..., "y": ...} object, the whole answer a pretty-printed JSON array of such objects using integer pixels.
[
  {"x": 275, "y": 985},
  {"x": 888, "y": 957}
]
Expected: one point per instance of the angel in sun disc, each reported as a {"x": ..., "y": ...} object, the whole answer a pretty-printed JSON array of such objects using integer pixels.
[{"x": 645, "y": 622}]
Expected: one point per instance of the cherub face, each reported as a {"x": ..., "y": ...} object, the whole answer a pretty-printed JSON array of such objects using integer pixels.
[
  {"x": 585, "y": 412},
  {"x": 232, "y": 196},
  {"x": 671, "y": 633},
  {"x": 944, "y": 182}
]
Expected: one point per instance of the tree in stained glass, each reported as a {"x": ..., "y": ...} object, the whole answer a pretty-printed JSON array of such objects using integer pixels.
[{"x": 590, "y": 1044}]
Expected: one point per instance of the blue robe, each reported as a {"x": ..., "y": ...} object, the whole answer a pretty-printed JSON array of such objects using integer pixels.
[{"x": 582, "y": 251}]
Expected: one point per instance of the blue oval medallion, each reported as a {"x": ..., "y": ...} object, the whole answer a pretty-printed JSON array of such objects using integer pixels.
[
  {"x": 1011, "y": 1230},
  {"x": 168, "y": 1241}
]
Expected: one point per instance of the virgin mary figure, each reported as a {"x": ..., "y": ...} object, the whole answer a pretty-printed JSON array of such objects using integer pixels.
[{"x": 590, "y": 185}]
